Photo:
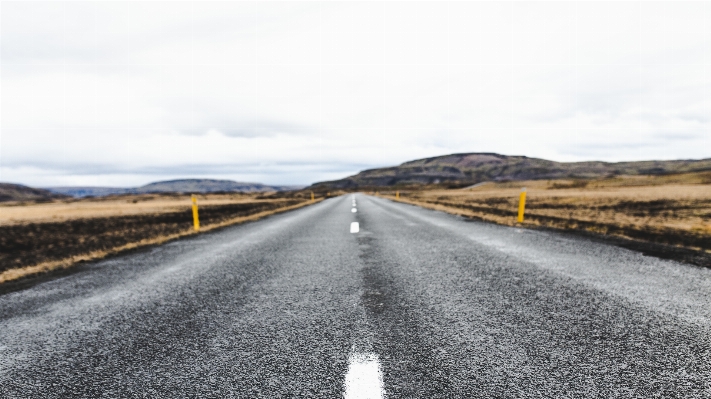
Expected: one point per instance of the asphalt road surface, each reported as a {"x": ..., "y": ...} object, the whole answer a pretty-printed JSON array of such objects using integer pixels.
[{"x": 416, "y": 304}]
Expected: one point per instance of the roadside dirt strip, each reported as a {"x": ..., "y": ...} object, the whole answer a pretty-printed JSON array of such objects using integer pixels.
[
  {"x": 676, "y": 214},
  {"x": 32, "y": 248},
  {"x": 696, "y": 240}
]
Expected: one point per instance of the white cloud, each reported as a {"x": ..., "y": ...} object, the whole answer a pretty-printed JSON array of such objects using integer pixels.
[{"x": 289, "y": 92}]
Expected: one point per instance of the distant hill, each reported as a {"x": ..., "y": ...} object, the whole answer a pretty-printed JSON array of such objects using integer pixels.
[
  {"x": 173, "y": 186},
  {"x": 18, "y": 192},
  {"x": 472, "y": 168},
  {"x": 208, "y": 186},
  {"x": 80, "y": 192}
]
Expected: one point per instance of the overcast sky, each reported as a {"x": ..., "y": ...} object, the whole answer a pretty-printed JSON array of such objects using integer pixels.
[{"x": 125, "y": 93}]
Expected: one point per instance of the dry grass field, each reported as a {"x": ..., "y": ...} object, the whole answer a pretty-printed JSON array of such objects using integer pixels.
[
  {"x": 672, "y": 209},
  {"x": 59, "y": 211},
  {"x": 39, "y": 237}
]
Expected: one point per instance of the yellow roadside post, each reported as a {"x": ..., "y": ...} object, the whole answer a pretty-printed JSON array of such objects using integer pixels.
[
  {"x": 196, "y": 221},
  {"x": 312, "y": 196},
  {"x": 397, "y": 195},
  {"x": 521, "y": 205}
]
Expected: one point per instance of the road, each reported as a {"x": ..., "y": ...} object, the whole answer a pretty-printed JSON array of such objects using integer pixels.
[{"x": 416, "y": 304}]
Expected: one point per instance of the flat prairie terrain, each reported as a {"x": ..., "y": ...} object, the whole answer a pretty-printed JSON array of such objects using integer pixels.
[
  {"x": 673, "y": 209},
  {"x": 22, "y": 213},
  {"x": 46, "y": 236}
]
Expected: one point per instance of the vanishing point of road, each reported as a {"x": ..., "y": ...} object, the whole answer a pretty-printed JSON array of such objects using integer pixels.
[{"x": 415, "y": 304}]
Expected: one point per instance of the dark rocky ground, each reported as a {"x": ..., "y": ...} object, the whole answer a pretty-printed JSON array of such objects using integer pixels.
[{"x": 33, "y": 243}]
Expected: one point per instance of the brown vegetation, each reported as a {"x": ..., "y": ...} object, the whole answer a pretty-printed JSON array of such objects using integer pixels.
[
  {"x": 42, "y": 237},
  {"x": 668, "y": 209},
  {"x": 120, "y": 205}
]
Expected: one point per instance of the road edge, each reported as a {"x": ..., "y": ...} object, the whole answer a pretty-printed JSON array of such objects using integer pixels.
[
  {"x": 694, "y": 256},
  {"x": 28, "y": 272}
]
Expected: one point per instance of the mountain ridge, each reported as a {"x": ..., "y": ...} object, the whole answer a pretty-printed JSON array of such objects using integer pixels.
[
  {"x": 198, "y": 186},
  {"x": 471, "y": 168},
  {"x": 18, "y": 192}
]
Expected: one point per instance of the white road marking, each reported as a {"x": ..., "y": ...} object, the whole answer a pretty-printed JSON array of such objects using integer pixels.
[
  {"x": 355, "y": 227},
  {"x": 354, "y": 210},
  {"x": 364, "y": 380}
]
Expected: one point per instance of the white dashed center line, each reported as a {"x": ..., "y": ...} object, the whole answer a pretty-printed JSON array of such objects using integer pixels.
[
  {"x": 355, "y": 227},
  {"x": 364, "y": 379},
  {"x": 354, "y": 210}
]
